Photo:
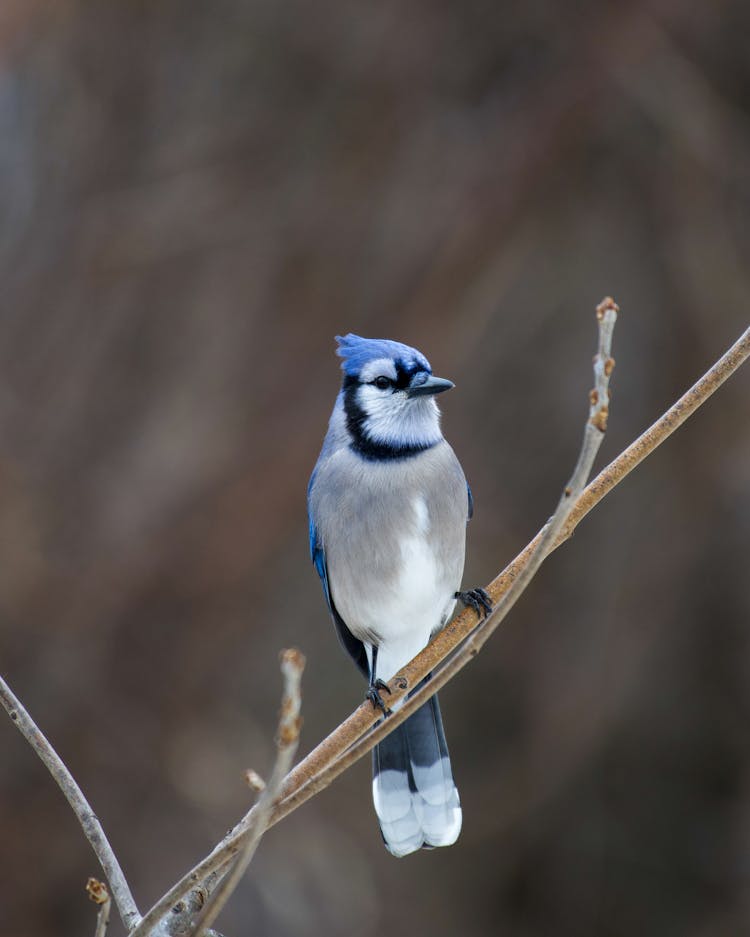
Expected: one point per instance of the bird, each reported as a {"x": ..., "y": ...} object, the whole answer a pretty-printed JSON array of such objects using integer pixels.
[{"x": 388, "y": 505}]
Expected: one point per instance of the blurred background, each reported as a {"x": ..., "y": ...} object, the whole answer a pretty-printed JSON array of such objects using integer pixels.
[{"x": 194, "y": 198}]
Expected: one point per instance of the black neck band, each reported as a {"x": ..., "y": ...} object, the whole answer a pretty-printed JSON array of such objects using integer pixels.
[{"x": 363, "y": 444}]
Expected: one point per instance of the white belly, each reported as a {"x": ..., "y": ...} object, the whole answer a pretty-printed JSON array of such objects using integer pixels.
[{"x": 401, "y": 617}]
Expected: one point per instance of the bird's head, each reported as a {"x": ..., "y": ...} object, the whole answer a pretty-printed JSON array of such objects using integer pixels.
[{"x": 388, "y": 393}]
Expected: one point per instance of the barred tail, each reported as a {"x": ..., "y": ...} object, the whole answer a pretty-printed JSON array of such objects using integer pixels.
[{"x": 415, "y": 797}]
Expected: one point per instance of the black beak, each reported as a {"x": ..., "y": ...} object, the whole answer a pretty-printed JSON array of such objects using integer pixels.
[{"x": 433, "y": 385}]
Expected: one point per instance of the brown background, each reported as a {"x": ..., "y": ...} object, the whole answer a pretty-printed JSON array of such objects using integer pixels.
[{"x": 194, "y": 198}]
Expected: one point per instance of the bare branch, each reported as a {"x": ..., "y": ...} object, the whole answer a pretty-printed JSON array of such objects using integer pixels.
[
  {"x": 655, "y": 435},
  {"x": 86, "y": 816},
  {"x": 287, "y": 739},
  {"x": 97, "y": 892},
  {"x": 255, "y": 823},
  {"x": 102, "y": 918},
  {"x": 325, "y": 762}
]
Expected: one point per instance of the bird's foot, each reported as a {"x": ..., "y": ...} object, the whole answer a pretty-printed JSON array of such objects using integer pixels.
[
  {"x": 373, "y": 694},
  {"x": 476, "y": 599}
]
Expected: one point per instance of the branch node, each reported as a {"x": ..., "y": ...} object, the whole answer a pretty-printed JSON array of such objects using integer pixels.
[
  {"x": 599, "y": 419},
  {"x": 254, "y": 781},
  {"x": 292, "y": 658},
  {"x": 97, "y": 891},
  {"x": 289, "y": 731},
  {"x": 604, "y": 306}
]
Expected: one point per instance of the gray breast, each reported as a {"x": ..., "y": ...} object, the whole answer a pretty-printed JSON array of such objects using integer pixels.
[{"x": 363, "y": 511}]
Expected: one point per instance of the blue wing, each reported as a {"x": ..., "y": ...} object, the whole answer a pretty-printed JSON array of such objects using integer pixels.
[
  {"x": 471, "y": 503},
  {"x": 317, "y": 553},
  {"x": 354, "y": 648},
  {"x": 319, "y": 560}
]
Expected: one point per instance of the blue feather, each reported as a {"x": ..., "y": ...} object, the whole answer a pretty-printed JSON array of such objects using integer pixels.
[
  {"x": 357, "y": 352},
  {"x": 317, "y": 553}
]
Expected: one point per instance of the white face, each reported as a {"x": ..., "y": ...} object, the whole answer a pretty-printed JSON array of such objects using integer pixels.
[{"x": 392, "y": 416}]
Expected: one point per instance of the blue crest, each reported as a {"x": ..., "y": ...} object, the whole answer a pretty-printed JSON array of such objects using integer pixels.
[{"x": 357, "y": 352}]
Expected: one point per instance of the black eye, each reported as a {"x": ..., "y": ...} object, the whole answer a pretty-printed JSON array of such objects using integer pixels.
[{"x": 382, "y": 383}]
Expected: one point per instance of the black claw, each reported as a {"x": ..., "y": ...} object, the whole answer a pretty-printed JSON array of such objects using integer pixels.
[
  {"x": 485, "y": 600},
  {"x": 478, "y": 600},
  {"x": 373, "y": 694}
]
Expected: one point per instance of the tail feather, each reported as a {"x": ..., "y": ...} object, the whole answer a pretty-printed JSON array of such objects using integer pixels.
[{"x": 413, "y": 789}]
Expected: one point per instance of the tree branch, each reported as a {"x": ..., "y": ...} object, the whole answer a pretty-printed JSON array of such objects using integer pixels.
[
  {"x": 327, "y": 760},
  {"x": 287, "y": 738},
  {"x": 86, "y": 816},
  {"x": 449, "y": 651}
]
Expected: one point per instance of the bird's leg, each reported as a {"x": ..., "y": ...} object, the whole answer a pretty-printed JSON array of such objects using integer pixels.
[
  {"x": 476, "y": 599},
  {"x": 373, "y": 695},
  {"x": 376, "y": 685}
]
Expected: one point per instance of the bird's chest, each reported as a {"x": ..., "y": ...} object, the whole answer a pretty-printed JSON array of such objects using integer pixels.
[
  {"x": 395, "y": 547},
  {"x": 390, "y": 518},
  {"x": 392, "y": 575}
]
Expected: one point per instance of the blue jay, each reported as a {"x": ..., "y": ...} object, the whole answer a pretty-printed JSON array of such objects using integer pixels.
[{"x": 388, "y": 505}]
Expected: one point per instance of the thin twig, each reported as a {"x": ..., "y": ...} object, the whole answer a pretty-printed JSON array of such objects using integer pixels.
[
  {"x": 86, "y": 817},
  {"x": 655, "y": 435},
  {"x": 287, "y": 738},
  {"x": 315, "y": 772},
  {"x": 102, "y": 918},
  {"x": 97, "y": 892},
  {"x": 292, "y": 665}
]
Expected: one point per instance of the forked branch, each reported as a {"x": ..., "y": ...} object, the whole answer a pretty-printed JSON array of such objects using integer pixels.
[
  {"x": 348, "y": 742},
  {"x": 451, "y": 650}
]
